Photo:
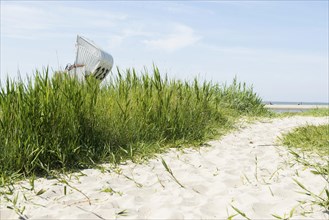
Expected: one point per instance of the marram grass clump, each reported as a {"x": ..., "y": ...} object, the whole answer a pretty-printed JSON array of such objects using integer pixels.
[
  {"x": 312, "y": 139},
  {"x": 62, "y": 123},
  {"x": 309, "y": 138}
]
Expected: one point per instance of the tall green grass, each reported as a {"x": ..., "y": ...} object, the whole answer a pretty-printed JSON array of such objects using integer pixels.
[{"x": 63, "y": 123}]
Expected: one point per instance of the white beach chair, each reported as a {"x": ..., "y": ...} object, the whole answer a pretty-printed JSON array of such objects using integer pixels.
[{"x": 90, "y": 60}]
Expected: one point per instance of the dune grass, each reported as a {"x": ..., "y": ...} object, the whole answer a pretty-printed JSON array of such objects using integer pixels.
[
  {"x": 314, "y": 140},
  {"x": 61, "y": 123},
  {"x": 309, "y": 138},
  {"x": 319, "y": 112}
]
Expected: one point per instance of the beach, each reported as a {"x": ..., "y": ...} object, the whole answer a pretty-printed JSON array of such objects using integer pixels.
[
  {"x": 246, "y": 170},
  {"x": 296, "y": 107}
]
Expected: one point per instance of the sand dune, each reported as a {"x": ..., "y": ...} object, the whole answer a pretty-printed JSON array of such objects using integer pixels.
[{"x": 245, "y": 169}]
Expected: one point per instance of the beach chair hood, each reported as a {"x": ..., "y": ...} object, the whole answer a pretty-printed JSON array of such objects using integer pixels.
[{"x": 92, "y": 59}]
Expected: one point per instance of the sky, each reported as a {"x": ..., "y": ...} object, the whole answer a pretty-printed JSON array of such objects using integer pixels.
[{"x": 278, "y": 47}]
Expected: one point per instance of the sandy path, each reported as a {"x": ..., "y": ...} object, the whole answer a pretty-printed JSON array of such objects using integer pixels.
[{"x": 245, "y": 169}]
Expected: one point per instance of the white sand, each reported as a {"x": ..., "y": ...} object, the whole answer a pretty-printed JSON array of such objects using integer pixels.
[{"x": 214, "y": 178}]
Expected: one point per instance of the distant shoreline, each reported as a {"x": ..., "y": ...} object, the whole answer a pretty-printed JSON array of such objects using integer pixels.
[
  {"x": 296, "y": 103},
  {"x": 281, "y": 107},
  {"x": 296, "y": 107}
]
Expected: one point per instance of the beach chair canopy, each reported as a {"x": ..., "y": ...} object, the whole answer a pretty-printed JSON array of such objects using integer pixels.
[{"x": 91, "y": 60}]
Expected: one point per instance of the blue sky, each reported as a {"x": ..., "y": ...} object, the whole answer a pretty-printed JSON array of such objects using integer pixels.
[{"x": 279, "y": 47}]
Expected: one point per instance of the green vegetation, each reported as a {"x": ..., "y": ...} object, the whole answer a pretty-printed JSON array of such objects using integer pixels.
[
  {"x": 241, "y": 213},
  {"x": 319, "y": 112},
  {"x": 309, "y": 138},
  {"x": 170, "y": 172},
  {"x": 61, "y": 123},
  {"x": 314, "y": 139}
]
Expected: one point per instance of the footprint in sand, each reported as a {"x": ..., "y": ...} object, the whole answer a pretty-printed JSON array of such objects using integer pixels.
[
  {"x": 213, "y": 208},
  {"x": 233, "y": 182},
  {"x": 161, "y": 212},
  {"x": 201, "y": 189},
  {"x": 262, "y": 209}
]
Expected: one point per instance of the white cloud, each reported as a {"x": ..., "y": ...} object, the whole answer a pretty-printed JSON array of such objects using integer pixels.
[
  {"x": 39, "y": 20},
  {"x": 182, "y": 36},
  {"x": 132, "y": 31},
  {"x": 22, "y": 21},
  {"x": 53, "y": 20}
]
